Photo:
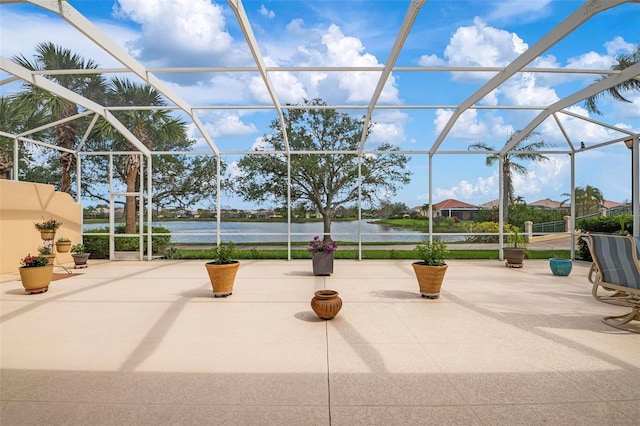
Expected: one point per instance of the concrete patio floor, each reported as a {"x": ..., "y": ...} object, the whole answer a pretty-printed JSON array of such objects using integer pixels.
[{"x": 146, "y": 343}]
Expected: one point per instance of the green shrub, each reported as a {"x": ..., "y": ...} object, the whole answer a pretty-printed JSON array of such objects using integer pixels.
[
  {"x": 172, "y": 253},
  {"x": 602, "y": 224},
  {"x": 489, "y": 228},
  {"x": 98, "y": 245}
]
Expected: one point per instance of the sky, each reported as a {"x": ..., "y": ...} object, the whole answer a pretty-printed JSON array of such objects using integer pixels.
[{"x": 204, "y": 33}]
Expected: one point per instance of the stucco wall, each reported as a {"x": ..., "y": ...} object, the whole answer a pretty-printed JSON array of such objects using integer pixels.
[{"x": 21, "y": 205}]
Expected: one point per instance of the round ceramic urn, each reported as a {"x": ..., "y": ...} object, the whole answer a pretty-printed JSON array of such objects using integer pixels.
[{"x": 326, "y": 304}]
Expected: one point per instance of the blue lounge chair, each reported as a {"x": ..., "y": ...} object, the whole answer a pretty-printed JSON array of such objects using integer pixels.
[{"x": 616, "y": 269}]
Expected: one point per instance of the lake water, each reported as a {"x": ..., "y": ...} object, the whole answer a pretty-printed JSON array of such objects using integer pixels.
[{"x": 273, "y": 232}]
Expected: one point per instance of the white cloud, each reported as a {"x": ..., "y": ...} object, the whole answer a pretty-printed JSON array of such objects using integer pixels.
[
  {"x": 591, "y": 60},
  {"x": 479, "y": 190},
  {"x": 527, "y": 11},
  {"x": 469, "y": 127},
  {"x": 285, "y": 84},
  {"x": 388, "y": 127},
  {"x": 228, "y": 124},
  {"x": 430, "y": 61},
  {"x": 544, "y": 177},
  {"x": 618, "y": 45},
  {"x": 348, "y": 51},
  {"x": 482, "y": 45},
  {"x": 523, "y": 90},
  {"x": 183, "y": 32},
  {"x": 18, "y": 38},
  {"x": 266, "y": 12}
]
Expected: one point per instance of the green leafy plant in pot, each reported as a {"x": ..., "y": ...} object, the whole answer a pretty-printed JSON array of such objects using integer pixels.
[
  {"x": 431, "y": 267},
  {"x": 516, "y": 249},
  {"x": 80, "y": 257},
  {"x": 222, "y": 269}
]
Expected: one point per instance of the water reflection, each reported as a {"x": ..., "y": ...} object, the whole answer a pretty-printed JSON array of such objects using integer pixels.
[{"x": 243, "y": 232}]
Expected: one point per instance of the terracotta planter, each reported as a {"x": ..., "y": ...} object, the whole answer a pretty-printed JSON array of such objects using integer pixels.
[
  {"x": 514, "y": 257},
  {"x": 326, "y": 304},
  {"x": 80, "y": 259},
  {"x": 63, "y": 246},
  {"x": 429, "y": 279},
  {"x": 222, "y": 277},
  {"x": 50, "y": 257},
  {"x": 47, "y": 235},
  {"x": 322, "y": 263},
  {"x": 36, "y": 280}
]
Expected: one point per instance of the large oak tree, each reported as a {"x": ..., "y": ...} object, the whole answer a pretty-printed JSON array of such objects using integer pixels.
[{"x": 326, "y": 180}]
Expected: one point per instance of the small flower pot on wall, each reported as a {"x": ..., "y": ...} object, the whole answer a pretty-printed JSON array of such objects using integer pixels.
[
  {"x": 47, "y": 235},
  {"x": 63, "y": 246}
]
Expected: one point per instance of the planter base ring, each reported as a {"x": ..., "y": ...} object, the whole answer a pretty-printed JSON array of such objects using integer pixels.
[
  {"x": 37, "y": 290},
  {"x": 514, "y": 265},
  {"x": 430, "y": 295},
  {"x": 222, "y": 293}
]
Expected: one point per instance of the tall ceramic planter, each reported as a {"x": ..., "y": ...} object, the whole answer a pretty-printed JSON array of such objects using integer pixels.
[
  {"x": 429, "y": 279},
  {"x": 322, "y": 263},
  {"x": 222, "y": 277},
  {"x": 36, "y": 279}
]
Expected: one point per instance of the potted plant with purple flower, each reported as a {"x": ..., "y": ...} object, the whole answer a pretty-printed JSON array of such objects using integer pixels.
[{"x": 322, "y": 255}]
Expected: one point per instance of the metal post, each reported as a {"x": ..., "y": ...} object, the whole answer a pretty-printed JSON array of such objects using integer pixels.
[
  {"x": 149, "y": 207},
  {"x": 430, "y": 197},
  {"x": 218, "y": 210},
  {"x": 632, "y": 144},
  {"x": 359, "y": 208},
  {"x": 573, "y": 206},
  {"x": 500, "y": 209},
  {"x": 288, "y": 206},
  {"x": 16, "y": 159}
]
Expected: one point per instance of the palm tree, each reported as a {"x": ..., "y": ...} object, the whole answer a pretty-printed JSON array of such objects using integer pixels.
[
  {"x": 510, "y": 166},
  {"x": 51, "y": 57},
  {"x": 616, "y": 92},
  {"x": 588, "y": 200},
  {"x": 148, "y": 126}
]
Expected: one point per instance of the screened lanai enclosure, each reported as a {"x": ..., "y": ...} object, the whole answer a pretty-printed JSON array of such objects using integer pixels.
[{"x": 295, "y": 109}]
